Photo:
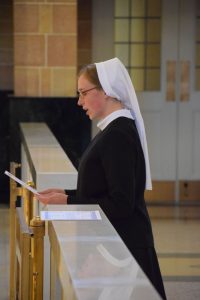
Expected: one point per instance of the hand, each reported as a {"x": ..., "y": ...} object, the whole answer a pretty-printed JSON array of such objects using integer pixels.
[
  {"x": 52, "y": 196},
  {"x": 52, "y": 191}
]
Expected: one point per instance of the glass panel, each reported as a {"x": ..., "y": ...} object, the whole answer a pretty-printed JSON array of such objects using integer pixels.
[
  {"x": 137, "y": 77},
  {"x": 121, "y": 8},
  {"x": 153, "y": 55},
  {"x": 198, "y": 79},
  {"x": 153, "y": 8},
  {"x": 198, "y": 30},
  {"x": 198, "y": 55},
  {"x": 153, "y": 30},
  {"x": 152, "y": 79},
  {"x": 137, "y": 55},
  {"x": 121, "y": 31},
  {"x": 137, "y": 30},
  {"x": 122, "y": 52},
  {"x": 138, "y": 8}
]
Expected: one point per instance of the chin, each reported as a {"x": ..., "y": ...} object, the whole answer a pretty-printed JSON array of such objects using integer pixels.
[{"x": 91, "y": 116}]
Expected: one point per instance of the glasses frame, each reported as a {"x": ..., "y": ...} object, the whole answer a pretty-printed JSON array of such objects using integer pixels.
[{"x": 82, "y": 94}]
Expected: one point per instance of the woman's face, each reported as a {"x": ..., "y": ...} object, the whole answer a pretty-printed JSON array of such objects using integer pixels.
[{"x": 92, "y": 100}]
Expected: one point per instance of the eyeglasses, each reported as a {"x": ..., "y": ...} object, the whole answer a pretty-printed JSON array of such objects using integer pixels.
[{"x": 84, "y": 93}]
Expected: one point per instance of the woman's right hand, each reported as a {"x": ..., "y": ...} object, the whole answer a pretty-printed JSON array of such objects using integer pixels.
[
  {"x": 48, "y": 191},
  {"x": 52, "y": 196}
]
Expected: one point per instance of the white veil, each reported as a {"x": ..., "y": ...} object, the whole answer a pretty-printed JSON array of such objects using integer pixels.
[{"x": 116, "y": 83}]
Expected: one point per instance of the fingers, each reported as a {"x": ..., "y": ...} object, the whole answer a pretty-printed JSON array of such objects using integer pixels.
[
  {"x": 52, "y": 198},
  {"x": 46, "y": 191},
  {"x": 49, "y": 191},
  {"x": 43, "y": 199}
]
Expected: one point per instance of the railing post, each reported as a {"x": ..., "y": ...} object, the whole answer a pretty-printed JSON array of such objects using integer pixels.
[
  {"x": 23, "y": 246},
  {"x": 14, "y": 192},
  {"x": 28, "y": 203},
  {"x": 37, "y": 254}
]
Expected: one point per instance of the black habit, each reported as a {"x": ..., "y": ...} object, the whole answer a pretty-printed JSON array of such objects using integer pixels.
[{"x": 112, "y": 174}]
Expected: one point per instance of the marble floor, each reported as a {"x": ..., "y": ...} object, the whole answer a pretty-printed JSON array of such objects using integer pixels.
[{"x": 177, "y": 241}]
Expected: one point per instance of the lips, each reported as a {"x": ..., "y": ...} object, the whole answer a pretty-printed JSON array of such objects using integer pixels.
[{"x": 85, "y": 109}]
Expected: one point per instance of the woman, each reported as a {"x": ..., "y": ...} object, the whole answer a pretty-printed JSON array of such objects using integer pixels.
[{"x": 114, "y": 170}]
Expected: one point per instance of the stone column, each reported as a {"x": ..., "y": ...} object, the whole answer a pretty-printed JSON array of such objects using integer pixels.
[{"x": 45, "y": 48}]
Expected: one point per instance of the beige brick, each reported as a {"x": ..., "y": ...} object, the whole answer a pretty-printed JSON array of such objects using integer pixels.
[
  {"x": 26, "y": 82},
  {"x": 64, "y": 19},
  {"x": 45, "y": 76},
  {"x": 29, "y": 50},
  {"x": 64, "y": 82},
  {"x": 45, "y": 19},
  {"x": 62, "y": 51},
  {"x": 26, "y": 18}
]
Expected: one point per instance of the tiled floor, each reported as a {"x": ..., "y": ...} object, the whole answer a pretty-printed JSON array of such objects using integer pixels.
[{"x": 177, "y": 239}]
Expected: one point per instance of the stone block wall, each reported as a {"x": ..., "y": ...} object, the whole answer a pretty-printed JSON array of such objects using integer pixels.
[{"x": 45, "y": 48}]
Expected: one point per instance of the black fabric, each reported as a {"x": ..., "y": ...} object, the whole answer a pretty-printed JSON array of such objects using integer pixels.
[
  {"x": 112, "y": 174},
  {"x": 71, "y": 193},
  {"x": 147, "y": 259}
]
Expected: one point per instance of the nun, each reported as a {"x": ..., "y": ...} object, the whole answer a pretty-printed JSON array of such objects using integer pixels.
[{"x": 114, "y": 170}]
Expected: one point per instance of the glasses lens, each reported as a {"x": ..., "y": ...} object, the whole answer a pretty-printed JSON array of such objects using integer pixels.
[{"x": 84, "y": 93}]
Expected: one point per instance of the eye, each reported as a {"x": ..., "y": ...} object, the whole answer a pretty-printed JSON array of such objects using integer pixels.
[
  {"x": 81, "y": 93},
  {"x": 84, "y": 93}
]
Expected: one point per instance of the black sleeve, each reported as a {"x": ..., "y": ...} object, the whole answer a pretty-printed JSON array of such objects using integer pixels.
[
  {"x": 119, "y": 159},
  {"x": 71, "y": 196}
]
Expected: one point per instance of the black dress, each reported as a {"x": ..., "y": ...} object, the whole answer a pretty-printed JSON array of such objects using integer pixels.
[{"x": 112, "y": 174}]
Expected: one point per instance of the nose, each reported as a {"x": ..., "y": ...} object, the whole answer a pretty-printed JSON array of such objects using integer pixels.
[{"x": 80, "y": 101}]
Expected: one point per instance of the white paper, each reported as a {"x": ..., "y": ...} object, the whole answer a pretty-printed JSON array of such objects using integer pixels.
[
  {"x": 70, "y": 215},
  {"x": 28, "y": 187}
]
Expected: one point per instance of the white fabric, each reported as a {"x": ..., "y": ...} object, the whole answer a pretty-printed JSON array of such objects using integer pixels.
[
  {"x": 116, "y": 83},
  {"x": 114, "y": 115}
]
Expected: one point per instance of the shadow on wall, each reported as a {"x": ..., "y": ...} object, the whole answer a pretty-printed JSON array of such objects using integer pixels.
[
  {"x": 4, "y": 146},
  {"x": 68, "y": 122}
]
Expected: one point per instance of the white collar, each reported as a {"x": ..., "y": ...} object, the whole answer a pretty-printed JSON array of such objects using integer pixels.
[{"x": 114, "y": 115}]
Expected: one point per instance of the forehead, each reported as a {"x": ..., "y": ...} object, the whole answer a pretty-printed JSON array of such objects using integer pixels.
[{"x": 83, "y": 82}]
